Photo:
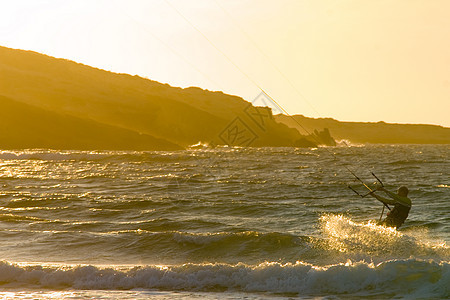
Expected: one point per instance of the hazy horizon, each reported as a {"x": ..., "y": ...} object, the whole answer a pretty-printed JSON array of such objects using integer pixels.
[{"x": 351, "y": 61}]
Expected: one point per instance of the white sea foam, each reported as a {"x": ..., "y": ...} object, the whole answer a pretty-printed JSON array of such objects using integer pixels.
[
  {"x": 375, "y": 241},
  {"x": 347, "y": 143},
  {"x": 411, "y": 277},
  {"x": 443, "y": 186}
]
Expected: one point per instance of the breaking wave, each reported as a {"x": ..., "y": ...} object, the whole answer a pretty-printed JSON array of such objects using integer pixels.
[
  {"x": 412, "y": 278},
  {"x": 370, "y": 239}
]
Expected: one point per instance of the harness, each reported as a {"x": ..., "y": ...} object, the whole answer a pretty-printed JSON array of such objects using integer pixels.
[{"x": 397, "y": 215}]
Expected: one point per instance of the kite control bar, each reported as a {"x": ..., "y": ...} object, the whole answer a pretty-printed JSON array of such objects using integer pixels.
[
  {"x": 371, "y": 191},
  {"x": 366, "y": 186},
  {"x": 359, "y": 194}
]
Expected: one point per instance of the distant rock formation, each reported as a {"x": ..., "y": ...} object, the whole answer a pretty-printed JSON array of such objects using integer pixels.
[
  {"x": 375, "y": 133},
  {"x": 323, "y": 137}
]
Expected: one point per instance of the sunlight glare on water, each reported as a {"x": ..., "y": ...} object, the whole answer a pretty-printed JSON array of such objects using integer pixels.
[{"x": 221, "y": 221}]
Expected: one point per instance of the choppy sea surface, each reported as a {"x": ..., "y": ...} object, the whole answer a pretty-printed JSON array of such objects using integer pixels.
[{"x": 223, "y": 223}]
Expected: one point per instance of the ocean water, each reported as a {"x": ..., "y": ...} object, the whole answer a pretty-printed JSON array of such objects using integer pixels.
[{"x": 223, "y": 223}]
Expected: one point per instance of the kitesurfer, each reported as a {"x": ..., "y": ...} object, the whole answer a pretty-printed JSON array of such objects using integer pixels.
[{"x": 402, "y": 205}]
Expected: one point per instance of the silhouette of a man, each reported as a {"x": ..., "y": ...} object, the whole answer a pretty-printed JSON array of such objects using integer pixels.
[{"x": 402, "y": 205}]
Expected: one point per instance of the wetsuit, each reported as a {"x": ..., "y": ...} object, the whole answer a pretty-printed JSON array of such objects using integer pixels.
[
  {"x": 399, "y": 213},
  {"x": 396, "y": 216}
]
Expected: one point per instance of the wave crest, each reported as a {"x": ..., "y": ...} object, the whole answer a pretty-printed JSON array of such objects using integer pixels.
[
  {"x": 371, "y": 239},
  {"x": 412, "y": 277}
]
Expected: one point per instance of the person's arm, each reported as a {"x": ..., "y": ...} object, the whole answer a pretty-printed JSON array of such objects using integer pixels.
[
  {"x": 382, "y": 199},
  {"x": 395, "y": 198},
  {"x": 390, "y": 194}
]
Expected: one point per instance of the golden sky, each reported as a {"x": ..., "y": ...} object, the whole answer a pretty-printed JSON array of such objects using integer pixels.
[{"x": 352, "y": 60}]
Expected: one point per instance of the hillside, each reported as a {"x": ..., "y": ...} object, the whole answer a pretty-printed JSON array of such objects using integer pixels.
[
  {"x": 376, "y": 133},
  {"x": 179, "y": 116},
  {"x": 23, "y": 126},
  {"x": 47, "y": 102}
]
